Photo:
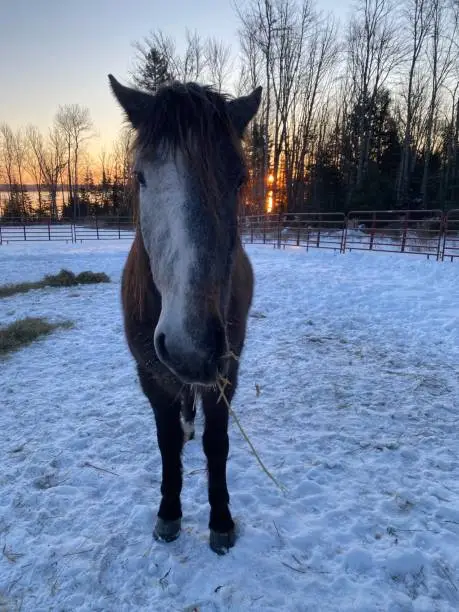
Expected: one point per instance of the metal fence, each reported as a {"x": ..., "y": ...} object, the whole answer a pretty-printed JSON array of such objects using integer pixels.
[
  {"x": 428, "y": 232},
  {"x": 43, "y": 230},
  {"x": 415, "y": 232},
  {"x": 324, "y": 230},
  {"x": 450, "y": 246},
  {"x": 104, "y": 228},
  {"x": 16, "y": 230}
]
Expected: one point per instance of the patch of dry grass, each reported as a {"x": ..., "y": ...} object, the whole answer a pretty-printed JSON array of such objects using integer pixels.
[
  {"x": 65, "y": 278},
  {"x": 87, "y": 277},
  {"x": 25, "y": 331}
]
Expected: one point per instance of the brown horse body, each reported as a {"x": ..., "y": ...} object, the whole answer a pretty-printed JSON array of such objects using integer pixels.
[{"x": 187, "y": 284}]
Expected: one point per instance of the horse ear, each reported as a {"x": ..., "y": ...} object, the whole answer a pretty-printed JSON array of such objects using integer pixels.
[
  {"x": 242, "y": 110},
  {"x": 135, "y": 103}
]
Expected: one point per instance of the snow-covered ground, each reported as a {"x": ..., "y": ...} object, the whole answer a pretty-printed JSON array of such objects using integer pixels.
[{"x": 349, "y": 390}]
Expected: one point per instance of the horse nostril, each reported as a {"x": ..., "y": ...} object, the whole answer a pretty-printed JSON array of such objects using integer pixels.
[{"x": 161, "y": 345}]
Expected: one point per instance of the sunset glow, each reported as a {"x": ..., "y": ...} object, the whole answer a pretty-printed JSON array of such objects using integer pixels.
[{"x": 269, "y": 203}]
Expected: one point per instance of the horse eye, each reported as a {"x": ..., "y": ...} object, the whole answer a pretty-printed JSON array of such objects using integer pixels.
[{"x": 140, "y": 177}]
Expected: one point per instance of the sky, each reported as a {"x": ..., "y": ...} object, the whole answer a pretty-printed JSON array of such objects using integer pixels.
[{"x": 60, "y": 52}]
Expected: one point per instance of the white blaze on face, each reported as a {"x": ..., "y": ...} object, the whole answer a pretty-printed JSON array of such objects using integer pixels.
[{"x": 163, "y": 221}]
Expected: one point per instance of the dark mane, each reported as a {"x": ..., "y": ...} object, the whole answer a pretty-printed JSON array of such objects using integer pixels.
[
  {"x": 193, "y": 119},
  {"x": 178, "y": 108}
]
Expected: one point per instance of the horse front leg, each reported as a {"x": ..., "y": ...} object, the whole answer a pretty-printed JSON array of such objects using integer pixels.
[
  {"x": 216, "y": 448},
  {"x": 170, "y": 436}
]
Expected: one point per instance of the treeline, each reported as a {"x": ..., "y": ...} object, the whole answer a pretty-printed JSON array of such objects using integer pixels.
[
  {"x": 362, "y": 115},
  {"x": 357, "y": 115},
  {"x": 61, "y": 171}
]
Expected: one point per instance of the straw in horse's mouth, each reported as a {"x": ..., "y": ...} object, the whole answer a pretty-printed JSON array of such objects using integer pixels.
[{"x": 221, "y": 384}]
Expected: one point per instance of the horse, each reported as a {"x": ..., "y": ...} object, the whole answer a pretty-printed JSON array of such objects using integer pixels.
[{"x": 187, "y": 283}]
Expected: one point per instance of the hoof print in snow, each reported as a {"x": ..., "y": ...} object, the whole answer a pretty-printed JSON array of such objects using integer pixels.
[
  {"x": 167, "y": 531},
  {"x": 220, "y": 543}
]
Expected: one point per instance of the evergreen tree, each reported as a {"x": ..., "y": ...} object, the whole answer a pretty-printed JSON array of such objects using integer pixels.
[
  {"x": 152, "y": 69},
  {"x": 86, "y": 194},
  {"x": 104, "y": 193}
]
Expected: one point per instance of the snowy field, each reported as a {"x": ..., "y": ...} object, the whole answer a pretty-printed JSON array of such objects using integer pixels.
[{"x": 349, "y": 390}]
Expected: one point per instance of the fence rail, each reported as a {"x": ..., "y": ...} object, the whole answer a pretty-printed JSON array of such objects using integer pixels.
[
  {"x": 450, "y": 247},
  {"x": 432, "y": 233},
  {"x": 428, "y": 232},
  {"x": 101, "y": 228}
]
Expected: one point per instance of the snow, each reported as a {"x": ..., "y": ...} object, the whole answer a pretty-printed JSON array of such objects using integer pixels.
[{"x": 348, "y": 390}]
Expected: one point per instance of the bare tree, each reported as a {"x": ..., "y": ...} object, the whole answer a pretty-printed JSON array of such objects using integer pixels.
[
  {"x": 7, "y": 162},
  {"x": 250, "y": 76},
  {"x": 54, "y": 165},
  {"x": 218, "y": 62},
  {"x": 122, "y": 167},
  {"x": 319, "y": 60},
  {"x": 7, "y": 153},
  {"x": 33, "y": 162},
  {"x": 20, "y": 152},
  {"x": 374, "y": 50},
  {"x": 290, "y": 49},
  {"x": 441, "y": 55},
  {"x": 417, "y": 17},
  {"x": 449, "y": 188},
  {"x": 250, "y": 62},
  {"x": 47, "y": 161},
  {"x": 292, "y": 26},
  {"x": 13, "y": 153},
  {"x": 256, "y": 34},
  {"x": 76, "y": 125},
  {"x": 193, "y": 63}
]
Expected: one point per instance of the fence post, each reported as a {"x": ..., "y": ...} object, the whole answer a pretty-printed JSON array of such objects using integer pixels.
[
  {"x": 373, "y": 230},
  {"x": 1, "y": 240},
  {"x": 279, "y": 231},
  {"x": 405, "y": 229},
  {"x": 49, "y": 230},
  {"x": 97, "y": 228},
  {"x": 24, "y": 229},
  {"x": 344, "y": 235},
  {"x": 442, "y": 237},
  {"x": 119, "y": 228}
]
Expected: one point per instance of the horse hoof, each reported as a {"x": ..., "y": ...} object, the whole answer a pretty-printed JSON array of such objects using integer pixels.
[
  {"x": 220, "y": 543},
  {"x": 167, "y": 531}
]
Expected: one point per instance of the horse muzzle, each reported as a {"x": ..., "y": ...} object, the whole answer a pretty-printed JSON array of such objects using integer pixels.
[{"x": 196, "y": 356}]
